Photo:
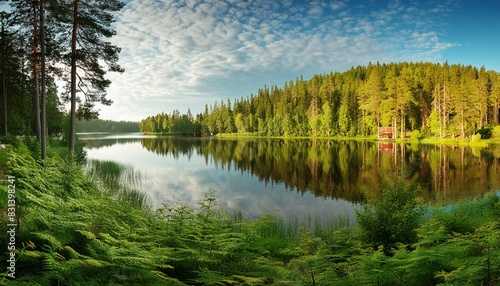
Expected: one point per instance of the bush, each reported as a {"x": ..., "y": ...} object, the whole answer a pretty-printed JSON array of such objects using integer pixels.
[
  {"x": 485, "y": 132},
  {"x": 495, "y": 133},
  {"x": 415, "y": 135},
  {"x": 476, "y": 138},
  {"x": 33, "y": 146},
  {"x": 394, "y": 218},
  {"x": 9, "y": 139}
]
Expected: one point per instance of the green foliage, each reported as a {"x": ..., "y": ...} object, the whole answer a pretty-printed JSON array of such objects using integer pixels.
[
  {"x": 394, "y": 218},
  {"x": 495, "y": 133},
  {"x": 475, "y": 138},
  {"x": 70, "y": 233},
  {"x": 9, "y": 139},
  {"x": 73, "y": 231},
  {"x": 415, "y": 135},
  {"x": 100, "y": 125},
  {"x": 446, "y": 100},
  {"x": 121, "y": 181},
  {"x": 175, "y": 123},
  {"x": 466, "y": 216},
  {"x": 485, "y": 132}
]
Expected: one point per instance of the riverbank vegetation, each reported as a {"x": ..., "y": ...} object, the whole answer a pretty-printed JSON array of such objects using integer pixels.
[
  {"x": 439, "y": 100},
  {"x": 74, "y": 231}
]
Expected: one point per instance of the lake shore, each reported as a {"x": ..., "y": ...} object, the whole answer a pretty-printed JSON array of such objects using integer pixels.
[{"x": 420, "y": 140}]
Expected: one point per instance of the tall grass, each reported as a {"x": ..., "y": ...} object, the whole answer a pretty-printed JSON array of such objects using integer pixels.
[
  {"x": 122, "y": 181},
  {"x": 466, "y": 215},
  {"x": 284, "y": 230}
]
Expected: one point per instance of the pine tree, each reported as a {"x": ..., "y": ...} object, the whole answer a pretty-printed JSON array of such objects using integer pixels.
[
  {"x": 445, "y": 99},
  {"x": 389, "y": 105},
  {"x": 326, "y": 120},
  {"x": 495, "y": 97},
  {"x": 458, "y": 98},
  {"x": 404, "y": 96},
  {"x": 90, "y": 24},
  {"x": 482, "y": 90},
  {"x": 370, "y": 99},
  {"x": 4, "y": 50}
]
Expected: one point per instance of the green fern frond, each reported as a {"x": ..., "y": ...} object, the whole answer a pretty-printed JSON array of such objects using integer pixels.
[
  {"x": 30, "y": 253},
  {"x": 47, "y": 237},
  {"x": 131, "y": 261},
  {"x": 43, "y": 200},
  {"x": 107, "y": 238},
  {"x": 246, "y": 280},
  {"x": 87, "y": 234}
]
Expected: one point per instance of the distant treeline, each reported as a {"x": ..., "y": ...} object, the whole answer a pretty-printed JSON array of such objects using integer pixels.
[
  {"x": 439, "y": 100},
  {"x": 100, "y": 125}
]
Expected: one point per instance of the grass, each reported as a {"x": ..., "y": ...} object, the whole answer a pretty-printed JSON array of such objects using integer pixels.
[
  {"x": 239, "y": 135},
  {"x": 464, "y": 216},
  {"x": 261, "y": 135},
  {"x": 460, "y": 142},
  {"x": 121, "y": 180},
  {"x": 280, "y": 230},
  {"x": 424, "y": 140}
]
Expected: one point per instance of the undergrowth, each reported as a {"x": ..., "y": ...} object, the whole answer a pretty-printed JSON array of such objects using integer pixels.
[{"x": 74, "y": 231}]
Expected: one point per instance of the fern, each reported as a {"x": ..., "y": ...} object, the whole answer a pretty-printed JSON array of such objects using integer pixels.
[{"x": 75, "y": 232}]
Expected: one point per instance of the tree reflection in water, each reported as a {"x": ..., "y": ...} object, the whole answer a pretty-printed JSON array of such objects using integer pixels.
[{"x": 349, "y": 170}]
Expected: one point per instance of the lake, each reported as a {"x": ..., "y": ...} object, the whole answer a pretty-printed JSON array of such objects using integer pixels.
[{"x": 297, "y": 177}]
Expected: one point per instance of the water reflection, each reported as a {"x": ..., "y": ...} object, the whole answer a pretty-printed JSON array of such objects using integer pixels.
[
  {"x": 348, "y": 170},
  {"x": 319, "y": 177}
]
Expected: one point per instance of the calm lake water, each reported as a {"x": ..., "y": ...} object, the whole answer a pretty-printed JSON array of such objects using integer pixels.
[{"x": 298, "y": 178}]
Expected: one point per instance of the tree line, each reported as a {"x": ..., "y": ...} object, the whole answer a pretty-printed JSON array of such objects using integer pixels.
[
  {"x": 174, "y": 123},
  {"x": 100, "y": 125},
  {"x": 45, "y": 42},
  {"x": 441, "y": 100}
]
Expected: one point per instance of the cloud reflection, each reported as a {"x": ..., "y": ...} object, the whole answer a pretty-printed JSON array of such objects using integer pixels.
[{"x": 186, "y": 179}]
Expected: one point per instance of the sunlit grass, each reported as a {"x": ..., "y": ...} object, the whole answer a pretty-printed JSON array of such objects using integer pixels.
[{"x": 459, "y": 142}]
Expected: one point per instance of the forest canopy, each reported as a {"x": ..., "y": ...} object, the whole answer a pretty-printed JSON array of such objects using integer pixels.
[
  {"x": 441, "y": 100},
  {"x": 43, "y": 43}
]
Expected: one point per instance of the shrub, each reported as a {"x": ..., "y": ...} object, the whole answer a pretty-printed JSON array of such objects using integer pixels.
[
  {"x": 485, "y": 132},
  {"x": 495, "y": 133},
  {"x": 476, "y": 138},
  {"x": 394, "y": 217},
  {"x": 9, "y": 139},
  {"x": 415, "y": 135}
]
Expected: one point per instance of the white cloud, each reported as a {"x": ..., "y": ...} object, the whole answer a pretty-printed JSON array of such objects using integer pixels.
[{"x": 194, "y": 52}]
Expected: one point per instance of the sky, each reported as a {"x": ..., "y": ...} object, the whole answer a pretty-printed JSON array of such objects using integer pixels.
[{"x": 187, "y": 53}]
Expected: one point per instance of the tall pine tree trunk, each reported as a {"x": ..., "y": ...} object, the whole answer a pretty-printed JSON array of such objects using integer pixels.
[
  {"x": 402, "y": 125},
  {"x": 43, "y": 95},
  {"x": 4, "y": 94},
  {"x": 4, "y": 90},
  {"x": 445, "y": 105},
  {"x": 496, "y": 111},
  {"x": 73, "y": 80},
  {"x": 36, "y": 92}
]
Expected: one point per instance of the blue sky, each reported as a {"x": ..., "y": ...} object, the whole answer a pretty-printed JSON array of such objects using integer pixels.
[{"x": 188, "y": 53}]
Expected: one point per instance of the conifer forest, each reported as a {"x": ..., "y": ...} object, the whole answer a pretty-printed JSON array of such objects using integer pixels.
[{"x": 439, "y": 100}]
